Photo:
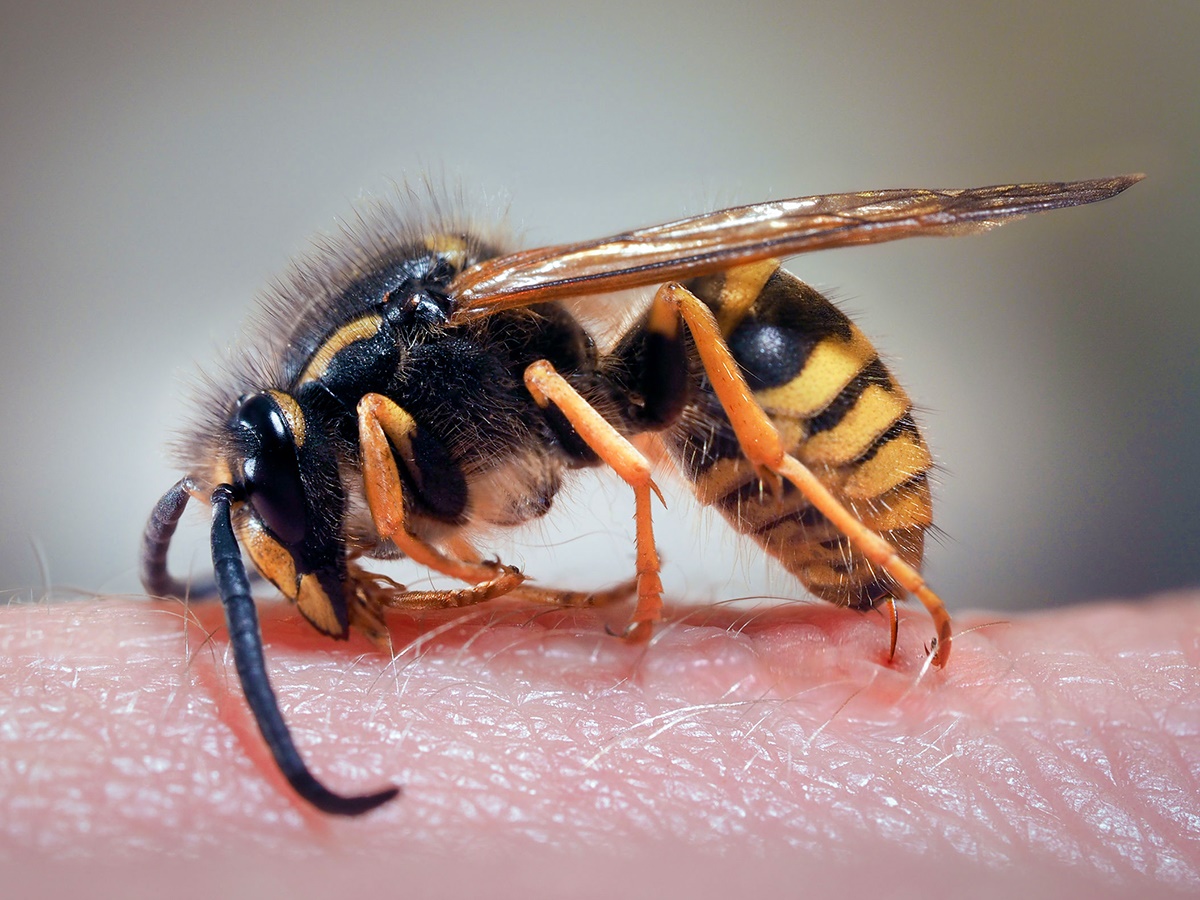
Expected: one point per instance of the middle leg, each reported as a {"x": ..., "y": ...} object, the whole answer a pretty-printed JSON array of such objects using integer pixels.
[{"x": 547, "y": 386}]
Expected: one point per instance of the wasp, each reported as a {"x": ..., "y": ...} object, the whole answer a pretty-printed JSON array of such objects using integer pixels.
[{"x": 417, "y": 386}]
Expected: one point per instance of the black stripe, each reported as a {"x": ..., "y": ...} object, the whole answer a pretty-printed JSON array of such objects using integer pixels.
[
  {"x": 808, "y": 517},
  {"x": 873, "y": 372},
  {"x": 701, "y": 448},
  {"x": 740, "y": 495},
  {"x": 873, "y": 592},
  {"x": 903, "y": 425},
  {"x": 769, "y": 355},
  {"x": 788, "y": 302},
  {"x": 752, "y": 493}
]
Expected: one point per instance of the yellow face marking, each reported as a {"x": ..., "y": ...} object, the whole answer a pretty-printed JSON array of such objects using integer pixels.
[
  {"x": 361, "y": 329},
  {"x": 829, "y": 368},
  {"x": 314, "y": 604},
  {"x": 269, "y": 556},
  {"x": 874, "y": 413},
  {"x": 894, "y": 463},
  {"x": 293, "y": 415},
  {"x": 742, "y": 287},
  {"x": 452, "y": 247}
]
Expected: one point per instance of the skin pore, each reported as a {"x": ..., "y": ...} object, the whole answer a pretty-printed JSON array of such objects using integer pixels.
[{"x": 775, "y": 746}]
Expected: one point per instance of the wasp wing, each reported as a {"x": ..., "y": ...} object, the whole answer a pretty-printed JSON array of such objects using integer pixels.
[{"x": 713, "y": 242}]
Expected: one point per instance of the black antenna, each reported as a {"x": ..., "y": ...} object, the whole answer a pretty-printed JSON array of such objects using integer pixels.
[
  {"x": 156, "y": 541},
  {"x": 242, "y": 621}
]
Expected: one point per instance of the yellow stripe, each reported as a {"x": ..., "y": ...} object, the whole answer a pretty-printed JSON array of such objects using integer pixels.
[
  {"x": 910, "y": 541},
  {"x": 723, "y": 476},
  {"x": 742, "y": 287},
  {"x": 906, "y": 507},
  {"x": 829, "y": 368},
  {"x": 893, "y": 464},
  {"x": 361, "y": 329},
  {"x": 451, "y": 247},
  {"x": 823, "y": 581},
  {"x": 874, "y": 413}
]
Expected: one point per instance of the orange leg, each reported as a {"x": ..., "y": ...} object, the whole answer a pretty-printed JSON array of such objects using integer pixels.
[
  {"x": 761, "y": 444},
  {"x": 502, "y": 584},
  {"x": 382, "y": 424},
  {"x": 373, "y": 592},
  {"x": 578, "y": 599},
  {"x": 463, "y": 549},
  {"x": 547, "y": 386}
]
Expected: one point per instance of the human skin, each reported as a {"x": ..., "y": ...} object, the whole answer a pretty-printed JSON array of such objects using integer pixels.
[{"x": 775, "y": 749}]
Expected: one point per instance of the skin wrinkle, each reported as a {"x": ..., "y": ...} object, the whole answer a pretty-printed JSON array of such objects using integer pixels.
[
  {"x": 1116, "y": 823},
  {"x": 1052, "y": 778},
  {"x": 789, "y": 733}
]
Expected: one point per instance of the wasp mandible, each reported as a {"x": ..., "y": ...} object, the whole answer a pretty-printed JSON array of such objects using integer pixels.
[{"x": 420, "y": 384}]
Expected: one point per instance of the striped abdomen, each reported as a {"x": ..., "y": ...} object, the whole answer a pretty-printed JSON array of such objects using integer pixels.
[{"x": 839, "y": 412}]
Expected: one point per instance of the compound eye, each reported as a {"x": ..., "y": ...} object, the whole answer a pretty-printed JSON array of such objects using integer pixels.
[{"x": 270, "y": 466}]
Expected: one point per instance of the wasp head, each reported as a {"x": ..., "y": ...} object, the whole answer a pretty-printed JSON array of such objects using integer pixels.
[
  {"x": 289, "y": 505},
  {"x": 284, "y": 495}
]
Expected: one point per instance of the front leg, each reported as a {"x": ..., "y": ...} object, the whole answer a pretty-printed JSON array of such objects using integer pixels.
[
  {"x": 382, "y": 425},
  {"x": 371, "y": 593}
]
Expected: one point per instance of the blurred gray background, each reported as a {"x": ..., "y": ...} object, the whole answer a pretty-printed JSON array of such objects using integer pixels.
[{"x": 160, "y": 164}]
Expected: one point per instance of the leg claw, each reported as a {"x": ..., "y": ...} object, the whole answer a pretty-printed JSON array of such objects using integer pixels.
[{"x": 638, "y": 632}]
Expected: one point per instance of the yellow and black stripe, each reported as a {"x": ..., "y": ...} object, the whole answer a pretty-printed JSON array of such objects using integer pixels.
[{"x": 838, "y": 411}]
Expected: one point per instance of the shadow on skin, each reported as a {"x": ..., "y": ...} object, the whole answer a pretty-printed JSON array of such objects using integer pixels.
[{"x": 1055, "y": 749}]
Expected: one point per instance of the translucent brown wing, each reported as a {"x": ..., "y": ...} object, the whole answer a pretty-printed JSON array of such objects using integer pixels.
[{"x": 710, "y": 243}]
